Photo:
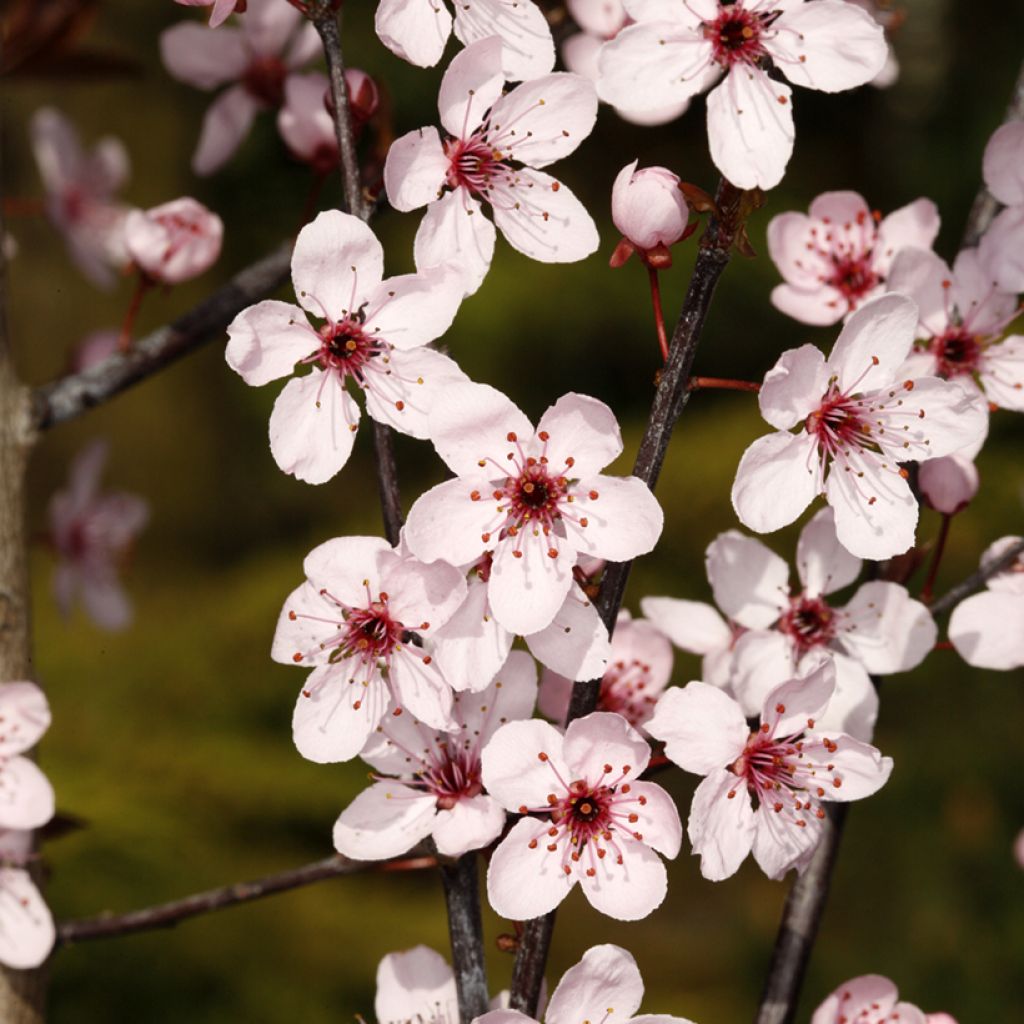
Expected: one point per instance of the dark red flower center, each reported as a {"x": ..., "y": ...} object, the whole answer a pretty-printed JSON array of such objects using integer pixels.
[
  {"x": 735, "y": 35},
  {"x": 472, "y": 164},
  {"x": 957, "y": 353},
  {"x": 347, "y": 349},
  {"x": 838, "y": 424},
  {"x": 264, "y": 80},
  {"x": 809, "y": 621},
  {"x": 853, "y": 277},
  {"x": 369, "y": 634}
]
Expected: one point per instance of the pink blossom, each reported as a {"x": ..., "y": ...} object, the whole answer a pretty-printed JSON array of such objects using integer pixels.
[
  {"x": 174, "y": 242},
  {"x": 374, "y": 334},
  {"x": 679, "y": 49},
  {"x": 427, "y": 781},
  {"x": 587, "y": 819},
  {"x": 604, "y": 986},
  {"x": 272, "y": 40},
  {"x": 1002, "y": 246},
  {"x": 94, "y": 348},
  {"x": 490, "y": 153},
  {"x": 987, "y": 629},
  {"x": 222, "y": 9},
  {"x": 639, "y": 667},
  {"x": 92, "y": 535},
  {"x": 963, "y": 316},
  {"x": 838, "y": 255},
  {"x": 890, "y": 19},
  {"x": 859, "y": 417},
  {"x": 650, "y": 211},
  {"x": 418, "y": 30},
  {"x": 80, "y": 190},
  {"x": 535, "y": 499},
  {"x": 871, "y": 999},
  {"x": 1018, "y": 849},
  {"x": 416, "y": 985},
  {"x": 949, "y": 484},
  {"x": 27, "y": 931},
  {"x": 763, "y": 789},
  {"x": 361, "y": 621}
]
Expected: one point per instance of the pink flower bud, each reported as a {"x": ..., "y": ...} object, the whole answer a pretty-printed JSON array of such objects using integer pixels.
[
  {"x": 363, "y": 95},
  {"x": 948, "y": 484},
  {"x": 174, "y": 242},
  {"x": 648, "y": 208}
]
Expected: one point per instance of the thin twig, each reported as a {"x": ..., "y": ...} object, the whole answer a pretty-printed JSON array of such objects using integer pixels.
[
  {"x": 167, "y": 915},
  {"x": 933, "y": 570},
  {"x": 977, "y": 579}
]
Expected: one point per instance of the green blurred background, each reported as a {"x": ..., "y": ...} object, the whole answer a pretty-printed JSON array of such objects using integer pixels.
[{"x": 172, "y": 739}]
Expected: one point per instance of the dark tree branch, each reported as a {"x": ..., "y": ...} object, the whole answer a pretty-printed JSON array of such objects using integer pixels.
[
  {"x": 465, "y": 929},
  {"x": 387, "y": 481},
  {"x": 977, "y": 579},
  {"x": 68, "y": 397},
  {"x": 669, "y": 401},
  {"x": 167, "y": 915}
]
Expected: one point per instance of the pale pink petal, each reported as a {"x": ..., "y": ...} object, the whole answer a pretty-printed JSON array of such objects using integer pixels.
[
  {"x": 422, "y": 596},
  {"x": 791, "y": 248},
  {"x": 628, "y": 891},
  {"x": 414, "y": 309},
  {"x": 555, "y": 695},
  {"x": 691, "y": 625},
  {"x": 404, "y": 395},
  {"x": 340, "y": 565},
  {"x": 300, "y": 627},
  {"x": 542, "y": 121},
  {"x": 688, "y": 15},
  {"x": 414, "y": 984},
  {"x": 471, "y": 646},
  {"x": 1011, "y": 579},
  {"x": 788, "y": 708},
  {"x": 1002, "y": 373},
  {"x": 420, "y": 689},
  {"x": 868, "y": 994},
  {"x": 327, "y": 724},
  {"x": 775, "y": 481},
  {"x": 921, "y": 274},
  {"x": 27, "y": 932},
  {"x": 312, "y": 427},
  {"x": 415, "y": 169},
  {"x": 855, "y": 769},
  {"x": 337, "y": 264},
  {"x": 527, "y": 48},
  {"x": 26, "y": 796},
  {"x": 576, "y": 644},
  {"x": 838, "y": 208},
  {"x": 222, "y": 10},
  {"x": 659, "y": 822},
  {"x": 602, "y": 737},
  {"x": 779, "y": 843},
  {"x": 721, "y": 826},
  {"x": 195, "y": 55},
  {"x": 606, "y": 976},
  {"x": 524, "y": 883},
  {"x": 703, "y": 728},
  {"x": 511, "y": 698},
  {"x": 226, "y": 123},
  {"x": 946, "y": 417},
  {"x": 268, "y": 25},
  {"x": 822, "y": 563},
  {"x": 828, "y": 45},
  {"x": 384, "y": 821},
  {"x": 304, "y": 122},
  {"x": 604, "y": 18},
  {"x": 502, "y": 1015},
  {"x": 886, "y": 630},
  {"x": 541, "y": 217},
  {"x": 471, "y": 824},
  {"x": 873, "y": 343},
  {"x": 1003, "y": 164},
  {"x": 470, "y": 87},
  {"x": 623, "y": 518},
  {"x": 853, "y": 707},
  {"x": 105, "y": 601},
  {"x": 1002, "y": 250},
  {"x": 638, "y": 640},
  {"x": 987, "y": 630},
  {"x": 913, "y": 226},
  {"x": 414, "y": 30},
  {"x": 511, "y": 770},
  {"x": 819, "y": 307},
  {"x": 265, "y": 341},
  {"x": 24, "y": 716},
  {"x": 455, "y": 229},
  {"x": 750, "y": 128},
  {"x": 750, "y": 582},
  {"x": 580, "y": 53},
  {"x": 793, "y": 387},
  {"x": 583, "y": 429},
  {"x": 979, "y": 303},
  {"x": 527, "y": 592},
  {"x": 761, "y": 661},
  {"x": 447, "y": 523}
]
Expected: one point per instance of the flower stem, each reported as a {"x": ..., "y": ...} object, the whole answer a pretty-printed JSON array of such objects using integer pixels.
[
  {"x": 124, "y": 341},
  {"x": 659, "y": 315},
  {"x": 723, "y": 383},
  {"x": 933, "y": 571}
]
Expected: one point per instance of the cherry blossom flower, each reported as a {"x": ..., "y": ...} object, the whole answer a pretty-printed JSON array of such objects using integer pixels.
[
  {"x": 987, "y": 629},
  {"x": 222, "y": 9},
  {"x": 428, "y": 780},
  {"x": 763, "y": 789},
  {"x": 416, "y": 985},
  {"x": 1002, "y": 246},
  {"x": 597, "y": 823},
  {"x": 493, "y": 148},
  {"x": 92, "y": 535},
  {"x": 872, "y": 999},
  {"x": 639, "y": 667},
  {"x": 418, "y": 30},
  {"x": 535, "y": 499},
  {"x": 360, "y": 621},
  {"x": 373, "y": 334},
  {"x": 27, "y": 931},
  {"x": 272, "y": 40},
  {"x": 604, "y": 986},
  {"x": 601, "y": 20},
  {"x": 838, "y": 255},
  {"x": 859, "y": 418},
  {"x": 949, "y": 484},
  {"x": 679, "y": 49},
  {"x": 80, "y": 190},
  {"x": 962, "y": 319},
  {"x": 472, "y": 645},
  {"x": 651, "y": 213},
  {"x": 175, "y": 241}
]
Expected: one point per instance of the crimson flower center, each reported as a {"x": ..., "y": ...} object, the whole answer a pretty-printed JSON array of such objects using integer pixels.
[
  {"x": 622, "y": 691},
  {"x": 345, "y": 348},
  {"x": 853, "y": 277},
  {"x": 370, "y": 633},
  {"x": 453, "y": 777},
  {"x": 838, "y": 423},
  {"x": 471, "y": 164},
  {"x": 264, "y": 80},
  {"x": 809, "y": 621},
  {"x": 584, "y": 811},
  {"x": 735, "y": 36},
  {"x": 534, "y": 495},
  {"x": 957, "y": 353}
]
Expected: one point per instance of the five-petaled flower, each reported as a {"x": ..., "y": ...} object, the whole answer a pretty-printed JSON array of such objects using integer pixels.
[
  {"x": 588, "y": 818},
  {"x": 872, "y": 999},
  {"x": 175, "y": 241},
  {"x": 534, "y": 498},
  {"x": 493, "y": 146},
  {"x": 763, "y": 789},
  {"x": 372, "y": 334}
]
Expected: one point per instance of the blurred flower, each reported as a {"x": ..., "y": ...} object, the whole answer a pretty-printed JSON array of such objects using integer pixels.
[
  {"x": 872, "y": 999},
  {"x": 80, "y": 190},
  {"x": 948, "y": 484},
  {"x": 650, "y": 211},
  {"x": 222, "y": 9},
  {"x": 305, "y": 124},
  {"x": 272, "y": 40},
  {"x": 763, "y": 789},
  {"x": 890, "y": 20},
  {"x": 838, "y": 256},
  {"x": 94, "y": 348},
  {"x": 92, "y": 535},
  {"x": 1002, "y": 246},
  {"x": 599, "y": 825},
  {"x": 174, "y": 242}
]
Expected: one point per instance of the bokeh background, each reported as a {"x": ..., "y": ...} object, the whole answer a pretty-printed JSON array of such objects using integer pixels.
[{"x": 172, "y": 741}]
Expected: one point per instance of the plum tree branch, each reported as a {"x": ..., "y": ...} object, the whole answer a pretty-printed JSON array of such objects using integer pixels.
[{"x": 977, "y": 579}]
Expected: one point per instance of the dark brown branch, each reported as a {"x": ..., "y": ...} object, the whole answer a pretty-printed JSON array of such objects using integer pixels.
[
  {"x": 387, "y": 481},
  {"x": 669, "y": 401},
  {"x": 68, "y": 397},
  {"x": 167, "y": 915},
  {"x": 465, "y": 929},
  {"x": 977, "y": 579}
]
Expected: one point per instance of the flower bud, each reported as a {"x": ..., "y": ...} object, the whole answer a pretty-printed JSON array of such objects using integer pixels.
[
  {"x": 648, "y": 208},
  {"x": 174, "y": 242},
  {"x": 363, "y": 95},
  {"x": 948, "y": 484}
]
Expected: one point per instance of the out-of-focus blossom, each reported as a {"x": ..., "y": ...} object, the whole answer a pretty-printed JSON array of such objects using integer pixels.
[
  {"x": 272, "y": 40},
  {"x": 80, "y": 188},
  {"x": 763, "y": 789},
  {"x": 678, "y": 50},
  {"x": 948, "y": 484},
  {"x": 1002, "y": 247},
  {"x": 859, "y": 417},
  {"x": 222, "y": 9},
  {"x": 493, "y": 145},
  {"x": 27, "y": 931},
  {"x": 597, "y": 823},
  {"x": 650, "y": 211},
  {"x": 838, "y": 255},
  {"x": 175, "y": 241},
  {"x": 872, "y": 999},
  {"x": 418, "y": 30},
  {"x": 92, "y": 534},
  {"x": 1018, "y": 849},
  {"x": 94, "y": 348}
]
